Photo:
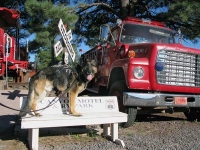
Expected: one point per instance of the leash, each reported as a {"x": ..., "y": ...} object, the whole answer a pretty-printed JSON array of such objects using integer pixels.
[{"x": 50, "y": 104}]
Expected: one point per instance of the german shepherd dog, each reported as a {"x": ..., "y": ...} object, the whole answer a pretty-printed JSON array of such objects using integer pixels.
[{"x": 60, "y": 78}]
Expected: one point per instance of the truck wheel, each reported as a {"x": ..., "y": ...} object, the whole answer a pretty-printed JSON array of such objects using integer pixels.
[
  {"x": 117, "y": 89},
  {"x": 193, "y": 114}
]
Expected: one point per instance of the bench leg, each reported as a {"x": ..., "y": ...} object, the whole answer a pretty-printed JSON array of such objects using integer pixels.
[
  {"x": 114, "y": 131},
  {"x": 114, "y": 134},
  {"x": 106, "y": 129},
  {"x": 33, "y": 135}
]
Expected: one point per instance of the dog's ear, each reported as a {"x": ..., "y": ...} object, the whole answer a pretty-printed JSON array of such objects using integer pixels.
[
  {"x": 94, "y": 62},
  {"x": 82, "y": 60},
  {"x": 78, "y": 68}
]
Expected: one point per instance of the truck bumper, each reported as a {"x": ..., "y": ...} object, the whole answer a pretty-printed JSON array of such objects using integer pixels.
[{"x": 160, "y": 100}]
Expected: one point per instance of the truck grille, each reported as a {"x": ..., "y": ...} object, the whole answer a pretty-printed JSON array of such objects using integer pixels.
[{"x": 180, "y": 69}]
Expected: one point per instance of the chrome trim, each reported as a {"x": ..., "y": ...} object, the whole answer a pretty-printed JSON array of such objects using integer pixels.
[{"x": 158, "y": 99}]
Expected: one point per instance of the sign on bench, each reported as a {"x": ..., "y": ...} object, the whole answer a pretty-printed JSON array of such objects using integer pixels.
[
  {"x": 95, "y": 110},
  {"x": 83, "y": 105}
]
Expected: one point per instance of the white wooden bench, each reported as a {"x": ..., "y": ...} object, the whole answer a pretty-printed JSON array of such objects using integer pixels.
[{"x": 95, "y": 110}]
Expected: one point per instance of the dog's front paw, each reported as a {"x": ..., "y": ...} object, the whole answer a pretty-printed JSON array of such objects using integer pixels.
[
  {"x": 38, "y": 115},
  {"x": 77, "y": 114}
]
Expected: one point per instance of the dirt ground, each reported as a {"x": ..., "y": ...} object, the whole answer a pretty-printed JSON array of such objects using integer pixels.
[{"x": 13, "y": 139}]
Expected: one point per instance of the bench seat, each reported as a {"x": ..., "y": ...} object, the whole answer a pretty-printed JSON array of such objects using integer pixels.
[{"x": 60, "y": 120}]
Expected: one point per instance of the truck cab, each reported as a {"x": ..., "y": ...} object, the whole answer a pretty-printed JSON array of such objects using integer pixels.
[{"x": 140, "y": 63}]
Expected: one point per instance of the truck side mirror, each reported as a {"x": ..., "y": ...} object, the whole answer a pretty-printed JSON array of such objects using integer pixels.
[{"x": 104, "y": 32}]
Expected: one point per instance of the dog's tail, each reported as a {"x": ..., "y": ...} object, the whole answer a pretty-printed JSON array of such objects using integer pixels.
[{"x": 26, "y": 108}]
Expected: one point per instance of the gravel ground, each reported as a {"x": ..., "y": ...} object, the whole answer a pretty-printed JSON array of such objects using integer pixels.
[{"x": 153, "y": 132}]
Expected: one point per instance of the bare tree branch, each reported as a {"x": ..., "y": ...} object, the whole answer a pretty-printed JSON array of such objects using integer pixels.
[{"x": 84, "y": 7}]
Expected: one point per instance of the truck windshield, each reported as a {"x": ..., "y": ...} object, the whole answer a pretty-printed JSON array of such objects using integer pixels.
[{"x": 132, "y": 33}]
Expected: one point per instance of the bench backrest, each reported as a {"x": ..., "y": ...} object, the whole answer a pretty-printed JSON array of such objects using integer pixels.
[{"x": 83, "y": 104}]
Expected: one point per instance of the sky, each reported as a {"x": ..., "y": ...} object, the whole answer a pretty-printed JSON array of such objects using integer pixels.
[{"x": 190, "y": 44}]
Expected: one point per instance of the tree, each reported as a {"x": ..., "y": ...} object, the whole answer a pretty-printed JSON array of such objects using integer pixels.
[
  {"x": 43, "y": 22},
  {"x": 175, "y": 14},
  {"x": 184, "y": 15}
]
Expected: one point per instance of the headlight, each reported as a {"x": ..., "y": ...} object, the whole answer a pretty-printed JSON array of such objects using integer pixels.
[{"x": 138, "y": 72}]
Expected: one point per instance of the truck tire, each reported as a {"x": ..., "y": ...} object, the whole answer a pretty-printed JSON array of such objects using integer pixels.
[
  {"x": 193, "y": 114},
  {"x": 117, "y": 89}
]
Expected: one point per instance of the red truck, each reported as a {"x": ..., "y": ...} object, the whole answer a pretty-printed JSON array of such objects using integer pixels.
[
  {"x": 13, "y": 59},
  {"x": 140, "y": 63}
]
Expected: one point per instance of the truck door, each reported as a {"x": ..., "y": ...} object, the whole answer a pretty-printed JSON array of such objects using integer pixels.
[{"x": 109, "y": 54}]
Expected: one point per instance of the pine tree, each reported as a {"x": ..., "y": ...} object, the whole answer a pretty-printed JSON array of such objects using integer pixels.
[{"x": 43, "y": 23}]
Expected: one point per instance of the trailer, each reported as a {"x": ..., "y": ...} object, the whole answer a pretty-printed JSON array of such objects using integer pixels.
[{"x": 14, "y": 64}]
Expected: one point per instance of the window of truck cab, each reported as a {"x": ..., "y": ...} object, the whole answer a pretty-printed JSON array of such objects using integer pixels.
[{"x": 139, "y": 33}]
